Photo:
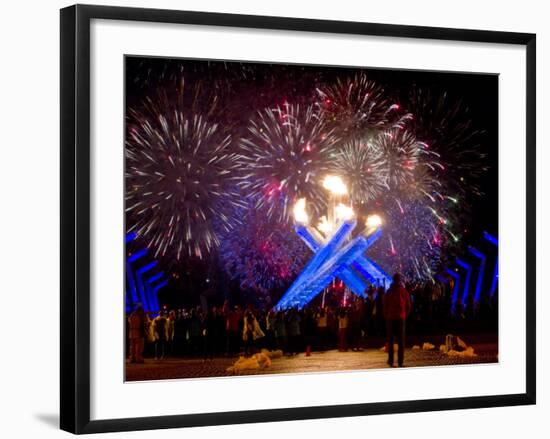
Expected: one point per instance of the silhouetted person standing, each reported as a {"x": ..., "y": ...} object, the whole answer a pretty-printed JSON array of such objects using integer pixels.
[
  {"x": 397, "y": 305},
  {"x": 136, "y": 322},
  {"x": 160, "y": 327}
]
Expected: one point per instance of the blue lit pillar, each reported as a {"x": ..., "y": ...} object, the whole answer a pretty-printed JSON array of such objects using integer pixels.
[
  {"x": 157, "y": 287},
  {"x": 332, "y": 258},
  {"x": 149, "y": 286},
  {"x": 314, "y": 241},
  {"x": 141, "y": 287},
  {"x": 338, "y": 261},
  {"x": 367, "y": 267},
  {"x": 332, "y": 268},
  {"x": 468, "y": 269},
  {"x": 318, "y": 258},
  {"x": 493, "y": 240},
  {"x": 130, "y": 274},
  {"x": 456, "y": 287},
  {"x": 482, "y": 260}
]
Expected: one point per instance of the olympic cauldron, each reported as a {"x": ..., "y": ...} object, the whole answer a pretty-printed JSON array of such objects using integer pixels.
[{"x": 337, "y": 254}]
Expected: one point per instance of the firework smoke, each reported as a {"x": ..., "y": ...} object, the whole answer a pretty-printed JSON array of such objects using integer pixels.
[{"x": 262, "y": 255}]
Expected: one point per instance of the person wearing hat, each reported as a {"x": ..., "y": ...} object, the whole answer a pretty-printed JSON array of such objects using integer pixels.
[{"x": 396, "y": 306}]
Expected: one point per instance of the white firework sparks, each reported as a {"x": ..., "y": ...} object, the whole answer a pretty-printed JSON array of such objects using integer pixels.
[{"x": 283, "y": 158}]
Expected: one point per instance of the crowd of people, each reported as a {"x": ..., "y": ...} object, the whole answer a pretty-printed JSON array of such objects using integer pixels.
[{"x": 357, "y": 324}]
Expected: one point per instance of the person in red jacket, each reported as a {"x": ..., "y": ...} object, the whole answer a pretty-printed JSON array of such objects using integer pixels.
[{"x": 397, "y": 305}]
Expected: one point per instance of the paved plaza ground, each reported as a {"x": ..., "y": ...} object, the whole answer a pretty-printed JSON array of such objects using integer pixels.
[{"x": 174, "y": 368}]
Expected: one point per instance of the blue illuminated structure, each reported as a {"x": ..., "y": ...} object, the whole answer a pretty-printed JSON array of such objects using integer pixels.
[
  {"x": 156, "y": 288},
  {"x": 153, "y": 300},
  {"x": 154, "y": 278},
  {"x": 333, "y": 258},
  {"x": 141, "y": 289},
  {"x": 456, "y": 287},
  {"x": 350, "y": 278},
  {"x": 292, "y": 297},
  {"x": 483, "y": 259},
  {"x": 468, "y": 269},
  {"x": 129, "y": 272},
  {"x": 130, "y": 237},
  {"x": 372, "y": 271},
  {"x": 131, "y": 282},
  {"x": 137, "y": 255},
  {"x": 493, "y": 240},
  {"x": 144, "y": 293}
]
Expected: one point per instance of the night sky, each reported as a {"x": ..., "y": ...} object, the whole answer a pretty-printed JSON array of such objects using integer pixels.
[{"x": 240, "y": 90}]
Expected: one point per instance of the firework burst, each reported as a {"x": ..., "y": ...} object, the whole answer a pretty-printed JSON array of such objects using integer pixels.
[
  {"x": 284, "y": 157},
  {"x": 421, "y": 214},
  {"x": 408, "y": 190},
  {"x": 402, "y": 154},
  {"x": 357, "y": 105},
  {"x": 365, "y": 169},
  {"x": 179, "y": 180},
  {"x": 444, "y": 124}
]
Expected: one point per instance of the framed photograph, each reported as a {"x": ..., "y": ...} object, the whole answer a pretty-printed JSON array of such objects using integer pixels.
[{"x": 268, "y": 218}]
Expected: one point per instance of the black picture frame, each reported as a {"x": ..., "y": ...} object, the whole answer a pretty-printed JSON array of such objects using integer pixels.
[{"x": 75, "y": 217}]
